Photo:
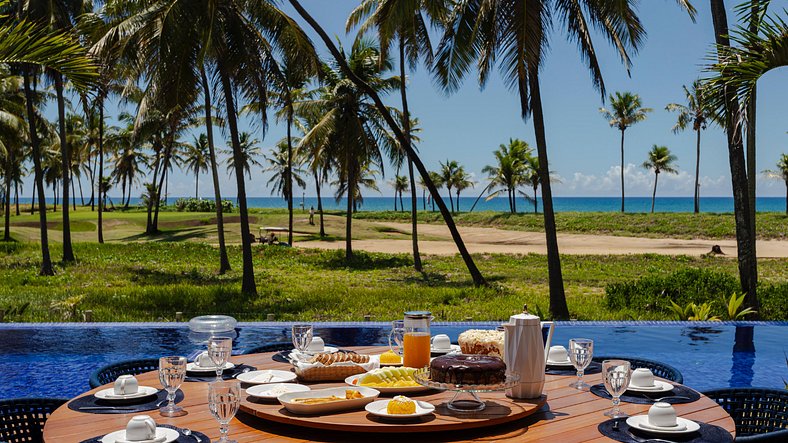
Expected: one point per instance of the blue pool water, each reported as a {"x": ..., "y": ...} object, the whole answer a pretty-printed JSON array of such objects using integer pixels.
[{"x": 56, "y": 360}]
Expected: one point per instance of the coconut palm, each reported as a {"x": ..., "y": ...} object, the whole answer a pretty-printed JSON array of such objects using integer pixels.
[
  {"x": 315, "y": 155},
  {"x": 659, "y": 160},
  {"x": 281, "y": 167},
  {"x": 781, "y": 173},
  {"x": 248, "y": 156},
  {"x": 196, "y": 159},
  {"x": 12, "y": 138},
  {"x": 531, "y": 177},
  {"x": 461, "y": 181},
  {"x": 400, "y": 185},
  {"x": 626, "y": 109},
  {"x": 127, "y": 160},
  {"x": 697, "y": 115},
  {"x": 509, "y": 171},
  {"x": 447, "y": 172}
]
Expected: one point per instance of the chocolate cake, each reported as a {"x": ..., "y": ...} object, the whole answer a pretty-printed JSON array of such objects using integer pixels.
[{"x": 463, "y": 369}]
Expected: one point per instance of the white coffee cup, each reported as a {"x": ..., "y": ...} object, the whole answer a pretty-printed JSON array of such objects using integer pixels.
[
  {"x": 316, "y": 345},
  {"x": 642, "y": 378},
  {"x": 558, "y": 354},
  {"x": 204, "y": 360},
  {"x": 141, "y": 428},
  {"x": 441, "y": 342},
  {"x": 662, "y": 414},
  {"x": 126, "y": 385}
]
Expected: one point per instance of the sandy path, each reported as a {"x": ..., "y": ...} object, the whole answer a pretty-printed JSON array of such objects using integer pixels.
[{"x": 493, "y": 240}]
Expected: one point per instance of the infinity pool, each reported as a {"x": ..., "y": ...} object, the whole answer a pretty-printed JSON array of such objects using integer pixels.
[{"x": 55, "y": 360}]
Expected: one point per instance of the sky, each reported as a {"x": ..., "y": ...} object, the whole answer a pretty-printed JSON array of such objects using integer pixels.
[{"x": 583, "y": 149}]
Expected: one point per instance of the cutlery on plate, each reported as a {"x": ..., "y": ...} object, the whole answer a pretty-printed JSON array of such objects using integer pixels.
[
  {"x": 188, "y": 432},
  {"x": 677, "y": 397},
  {"x": 100, "y": 408},
  {"x": 247, "y": 369},
  {"x": 645, "y": 440},
  {"x": 159, "y": 404}
]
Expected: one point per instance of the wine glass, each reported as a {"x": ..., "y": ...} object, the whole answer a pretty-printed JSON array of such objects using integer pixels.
[
  {"x": 617, "y": 374},
  {"x": 172, "y": 371},
  {"x": 397, "y": 336},
  {"x": 224, "y": 398},
  {"x": 581, "y": 350},
  {"x": 219, "y": 350},
  {"x": 302, "y": 336}
]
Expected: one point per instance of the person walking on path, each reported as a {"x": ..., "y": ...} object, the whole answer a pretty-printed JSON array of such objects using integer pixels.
[{"x": 312, "y": 215}]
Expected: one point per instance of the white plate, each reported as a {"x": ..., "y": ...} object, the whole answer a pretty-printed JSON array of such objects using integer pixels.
[
  {"x": 109, "y": 394},
  {"x": 559, "y": 363},
  {"x": 400, "y": 390},
  {"x": 266, "y": 391},
  {"x": 454, "y": 349},
  {"x": 266, "y": 376},
  {"x": 369, "y": 394},
  {"x": 326, "y": 350},
  {"x": 659, "y": 386},
  {"x": 638, "y": 422},
  {"x": 192, "y": 367},
  {"x": 379, "y": 408},
  {"x": 169, "y": 435}
]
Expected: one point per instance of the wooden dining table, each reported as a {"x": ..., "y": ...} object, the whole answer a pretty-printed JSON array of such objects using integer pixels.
[{"x": 569, "y": 415}]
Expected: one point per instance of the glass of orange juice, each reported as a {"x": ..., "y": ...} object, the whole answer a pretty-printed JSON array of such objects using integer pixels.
[{"x": 416, "y": 343}]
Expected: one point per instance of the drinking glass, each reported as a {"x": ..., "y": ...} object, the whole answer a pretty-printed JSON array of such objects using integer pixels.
[
  {"x": 172, "y": 371},
  {"x": 617, "y": 374},
  {"x": 581, "y": 350},
  {"x": 219, "y": 350},
  {"x": 224, "y": 398},
  {"x": 302, "y": 336},
  {"x": 397, "y": 336}
]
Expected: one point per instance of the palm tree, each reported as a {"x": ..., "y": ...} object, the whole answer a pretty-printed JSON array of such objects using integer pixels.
[
  {"x": 247, "y": 156},
  {"x": 316, "y": 158},
  {"x": 531, "y": 177},
  {"x": 448, "y": 172},
  {"x": 461, "y": 181},
  {"x": 659, "y": 160},
  {"x": 400, "y": 185},
  {"x": 12, "y": 137},
  {"x": 625, "y": 110},
  {"x": 509, "y": 171},
  {"x": 781, "y": 173},
  {"x": 281, "y": 167},
  {"x": 127, "y": 160},
  {"x": 437, "y": 180},
  {"x": 196, "y": 159},
  {"x": 697, "y": 114}
]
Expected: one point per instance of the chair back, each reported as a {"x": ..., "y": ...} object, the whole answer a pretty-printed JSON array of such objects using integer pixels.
[
  {"x": 761, "y": 414},
  {"x": 22, "y": 419},
  {"x": 109, "y": 373},
  {"x": 662, "y": 370}
]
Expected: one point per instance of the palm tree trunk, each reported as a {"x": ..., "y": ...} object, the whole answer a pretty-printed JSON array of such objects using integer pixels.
[
  {"x": 750, "y": 131},
  {"x": 68, "y": 251},
  {"x": 622, "y": 170},
  {"x": 514, "y": 200},
  {"x": 458, "y": 200},
  {"x": 46, "y": 261},
  {"x": 349, "y": 161},
  {"x": 697, "y": 173},
  {"x": 9, "y": 161},
  {"x": 81, "y": 196},
  {"x": 414, "y": 233},
  {"x": 450, "y": 199},
  {"x": 16, "y": 197},
  {"x": 248, "y": 285},
  {"x": 101, "y": 170},
  {"x": 786, "y": 199},
  {"x": 558, "y": 307},
  {"x": 748, "y": 265},
  {"x": 73, "y": 195},
  {"x": 224, "y": 261},
  {"x": 536, "y": 207},
  {"x": 165, "y": 167},
  {"x": 92, "y": 168},
  {"x": 197, "y": 185},
  {"x": 319, "y": 204},
  {"x": 395, "y": 201},
  {"x": 654, "y": 193},
  {"x": 477, "y": 277},
  {"x": 484, "y": 191},
  {"x": 424, "y": 199},
  {"x": 289, "y": 173},
  {"x": 33, "y": 196},
  {"x": 152, "y": 190},
  {"x": 54, "y": 194}
]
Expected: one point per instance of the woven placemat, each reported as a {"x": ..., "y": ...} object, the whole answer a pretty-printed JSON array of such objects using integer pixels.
[
  {"x": 624, "y": 433},
  {"x": 228, "y": 374},
  {"x": 593, "y": 368},
  {"x": 181, "y": 438},
  {"x": 147, "y": 404},
  {"x": 647, "y": 398}
]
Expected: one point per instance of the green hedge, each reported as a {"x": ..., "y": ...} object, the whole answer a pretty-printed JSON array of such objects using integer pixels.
[{"x": 201, "y": 205}]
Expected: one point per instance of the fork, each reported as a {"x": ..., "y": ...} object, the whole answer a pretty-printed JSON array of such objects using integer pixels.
[
  {"x": 639, "y": 439},
  {"x": 678, "y": 397}
]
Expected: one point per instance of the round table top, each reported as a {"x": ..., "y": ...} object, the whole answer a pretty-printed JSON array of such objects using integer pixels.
[{"x": 570, "y": 416}]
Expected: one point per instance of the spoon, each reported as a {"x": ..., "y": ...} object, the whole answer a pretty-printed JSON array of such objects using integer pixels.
[
  {"x": 188, "y": 432},
  {"x": 245, "y": 370},
  {"x": 677, "y": 397}
]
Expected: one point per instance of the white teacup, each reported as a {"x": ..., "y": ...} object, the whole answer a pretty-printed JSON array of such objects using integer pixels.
[
  {"x": 204, "y": 360},
  {"x": 141, "y": 428},
  {"x": 558, "y": 354},
  {"x": 642, "y": 378},
  {"x": 316, "y": 345},
  {"x": 126, "y": 385},
  {"x": 662, "y": 414},
  {"x": 441, "y": 342}
]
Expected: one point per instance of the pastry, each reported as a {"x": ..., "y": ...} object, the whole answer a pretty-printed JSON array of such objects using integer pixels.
[
  {"x": 401, "y": 405},
  {"x": 339, "y": 357},
  {"x": 481, "y": 341}
]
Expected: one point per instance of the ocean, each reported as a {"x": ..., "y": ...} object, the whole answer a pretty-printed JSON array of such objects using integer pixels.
[{"x": 561, "y": 204}]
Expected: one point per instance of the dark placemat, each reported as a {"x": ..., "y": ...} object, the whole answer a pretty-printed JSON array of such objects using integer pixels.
[
  {"x": 646, "y": 398},
  {"x": 281, "y": 356},
  {"x": 706, "y": 434},
  {"x": 593, "y": 368},
  {"x": 228, "y": 374},
  {"x": 148, "y": 404},
  {"x": 181, "y": 438}
]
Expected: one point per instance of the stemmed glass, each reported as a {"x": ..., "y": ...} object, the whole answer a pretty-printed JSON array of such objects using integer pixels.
[
  {"x": 224, "y": 398},
  {"x": 581, "y": 350},
  {"x": 172, "y": 371},
  {"x": 617, "y": 374},
  {"x": 302, "y": 336},
  {"x": 397, "y": 336},
  {"x": 219, "y": 350}
]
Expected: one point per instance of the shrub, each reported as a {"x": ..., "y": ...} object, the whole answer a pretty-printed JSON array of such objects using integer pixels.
[
  {"x": 201, "y": 205},
  {"x": 774, "y": 301}
]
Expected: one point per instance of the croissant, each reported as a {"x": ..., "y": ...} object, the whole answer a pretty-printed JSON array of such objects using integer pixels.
[{"x": 339, "y": 357}]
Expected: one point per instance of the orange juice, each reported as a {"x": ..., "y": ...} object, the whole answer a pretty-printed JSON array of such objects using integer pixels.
[{"x": 416, "y": 350}]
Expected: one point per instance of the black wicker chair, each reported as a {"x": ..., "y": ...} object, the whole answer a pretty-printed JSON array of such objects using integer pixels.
[
  {"x": 109, "y": 373},
  {"x": 659, "y": 369},
  {"x": 270, "y": 347},
  {"x": 761, "y": 414},
  {"x": 22, "y": 419}
]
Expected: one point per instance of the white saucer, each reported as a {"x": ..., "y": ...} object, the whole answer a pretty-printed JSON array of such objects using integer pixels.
[
  {"x": 266, "y": 376},
  {"x": 378, "y": 408},
  {"x": 109, "y": 394},
  {"x": 163, "y": 435},
  {"x": 192, "y": 367},
  {"x": 265, "y": 391},
  {"x": 559, "y": 363},
  {"x": 684, "y": 426},
  {"x": 659, "y": 386},
  {"x": 452, "y": 350}
]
